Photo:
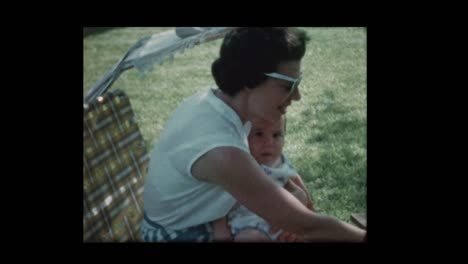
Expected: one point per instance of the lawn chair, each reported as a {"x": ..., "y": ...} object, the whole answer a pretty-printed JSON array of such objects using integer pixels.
[
  {"x": 115, "y": 157},
  {"x": 114, "y": 165}
]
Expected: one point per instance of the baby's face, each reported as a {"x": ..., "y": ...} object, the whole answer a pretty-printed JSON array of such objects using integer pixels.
[{"x": 266, "y": 140}]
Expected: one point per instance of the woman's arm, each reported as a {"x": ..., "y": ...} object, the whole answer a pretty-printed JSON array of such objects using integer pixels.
[{"x": 239, "y": 174}]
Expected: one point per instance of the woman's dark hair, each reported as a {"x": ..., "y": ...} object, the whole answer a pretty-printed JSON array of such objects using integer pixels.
[{"x": 247, "y": 53}]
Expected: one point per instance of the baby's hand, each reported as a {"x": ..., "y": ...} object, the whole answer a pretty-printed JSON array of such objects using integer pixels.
[
  {"x": 285, "y": 236},
  {"x": 296, "y": 187},
  {"x": 301, "y": 196}
]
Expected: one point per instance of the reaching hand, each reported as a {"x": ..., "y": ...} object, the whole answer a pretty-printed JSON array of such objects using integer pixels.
[{"x": 285, "y": 236}]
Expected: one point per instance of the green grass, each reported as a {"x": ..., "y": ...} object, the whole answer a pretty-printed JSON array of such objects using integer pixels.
[{"x": 326, "y": 137}]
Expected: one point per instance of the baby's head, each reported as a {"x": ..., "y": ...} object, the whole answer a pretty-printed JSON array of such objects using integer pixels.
[{"x": 266, "y": 140}]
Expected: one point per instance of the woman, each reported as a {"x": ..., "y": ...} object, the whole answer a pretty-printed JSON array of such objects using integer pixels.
[{"x": 201, "y": 164}]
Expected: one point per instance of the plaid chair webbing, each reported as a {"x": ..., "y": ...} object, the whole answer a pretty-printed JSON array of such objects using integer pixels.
[{"x": 115, "y": 161}]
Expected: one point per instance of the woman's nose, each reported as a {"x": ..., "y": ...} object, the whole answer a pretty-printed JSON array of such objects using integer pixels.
[{"x": 296, "y": 95}]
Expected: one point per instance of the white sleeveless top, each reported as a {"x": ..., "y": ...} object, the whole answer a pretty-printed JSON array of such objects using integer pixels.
[{"x": 172, "y": 197}]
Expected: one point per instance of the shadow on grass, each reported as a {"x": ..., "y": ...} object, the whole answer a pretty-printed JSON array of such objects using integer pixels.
[{"x": 87, "y": 31}]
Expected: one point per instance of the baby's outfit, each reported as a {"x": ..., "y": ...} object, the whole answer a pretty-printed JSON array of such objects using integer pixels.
[{"x": 241, "y": 218}]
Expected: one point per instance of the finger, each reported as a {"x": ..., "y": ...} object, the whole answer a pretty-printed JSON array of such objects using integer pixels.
[
  {"x": 274, "y": 229},
  {"x": 281, "y": 236},
  {"x": 292, "y": 238},
  {"x": 311, "y": 205},
  {"x": 300, "y": 238},
  {"x": 287, "y": 237}
]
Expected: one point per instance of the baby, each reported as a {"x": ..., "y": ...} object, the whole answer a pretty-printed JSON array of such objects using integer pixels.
[{"x": 266, "y": 141}]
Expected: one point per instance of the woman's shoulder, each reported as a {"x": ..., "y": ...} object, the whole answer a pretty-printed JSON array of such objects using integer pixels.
[
  {"x": 219, "y": 160},
  {"x": 204, "y": 116},
  {"x": 192, "y": 110}
]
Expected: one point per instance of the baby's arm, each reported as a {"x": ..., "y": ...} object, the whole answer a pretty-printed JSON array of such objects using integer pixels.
[
  {"x": 297, "y": 191},
  {"x": 297, "y": 187}
]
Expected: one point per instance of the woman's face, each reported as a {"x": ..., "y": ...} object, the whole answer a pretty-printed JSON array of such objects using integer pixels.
[
  {"x": 266, "y": 140},
  {"x": 270, "y": 99}
]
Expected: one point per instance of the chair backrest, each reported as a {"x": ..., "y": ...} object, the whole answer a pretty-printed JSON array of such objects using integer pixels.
[{"x": 115, "y": 162}]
